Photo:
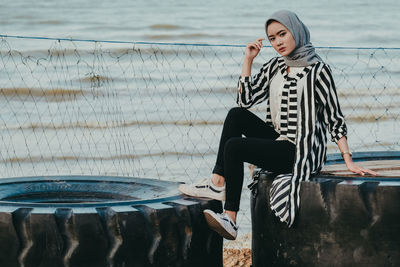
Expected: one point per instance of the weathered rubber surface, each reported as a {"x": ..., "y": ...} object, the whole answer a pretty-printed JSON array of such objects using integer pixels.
[
  {"x": 84, "y": 221},
  {"x": 341, "y": 222}
]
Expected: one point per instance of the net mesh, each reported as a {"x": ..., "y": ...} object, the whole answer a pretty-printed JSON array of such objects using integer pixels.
[{"x": 156, "y": 110}]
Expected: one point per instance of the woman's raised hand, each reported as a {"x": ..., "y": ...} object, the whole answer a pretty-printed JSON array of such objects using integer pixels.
[{"x": 252, "y": 49}]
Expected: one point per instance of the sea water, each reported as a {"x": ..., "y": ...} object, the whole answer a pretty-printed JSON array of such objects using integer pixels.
[{"x": 357, "y": 23}]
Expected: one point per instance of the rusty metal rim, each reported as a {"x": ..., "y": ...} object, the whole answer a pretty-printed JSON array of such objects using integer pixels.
[{"x": 363, "y": 156}]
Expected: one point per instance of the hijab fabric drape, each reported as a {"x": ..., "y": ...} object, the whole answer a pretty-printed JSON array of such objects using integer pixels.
[{"x": 304, "y": 53}]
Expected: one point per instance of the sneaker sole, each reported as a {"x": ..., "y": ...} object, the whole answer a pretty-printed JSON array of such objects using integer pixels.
[
  {"x": 182, "y": 190},
  {"x": 216, "y": 226}
]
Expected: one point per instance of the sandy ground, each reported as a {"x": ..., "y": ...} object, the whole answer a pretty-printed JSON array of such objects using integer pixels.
[
  {"x": 238, "y": 253},
  {"x": 237, "y": 257}
]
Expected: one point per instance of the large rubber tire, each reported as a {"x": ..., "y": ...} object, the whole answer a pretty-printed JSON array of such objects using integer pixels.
[
  {"x": 103, "y": 221},
  {"x": 342, "y": 221}
]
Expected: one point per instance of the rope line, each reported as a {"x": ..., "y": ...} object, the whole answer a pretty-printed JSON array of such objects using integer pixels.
[{"x": 180, "y": 44}]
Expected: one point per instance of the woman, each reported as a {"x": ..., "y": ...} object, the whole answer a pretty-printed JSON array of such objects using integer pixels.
[{"x": 301, "y": 105}]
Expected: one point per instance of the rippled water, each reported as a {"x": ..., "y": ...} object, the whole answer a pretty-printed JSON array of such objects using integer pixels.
[{"x": 332, "y": 23}]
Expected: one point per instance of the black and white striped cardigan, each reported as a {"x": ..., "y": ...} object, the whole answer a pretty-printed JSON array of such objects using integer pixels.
[{"x": 318, "y": 110}]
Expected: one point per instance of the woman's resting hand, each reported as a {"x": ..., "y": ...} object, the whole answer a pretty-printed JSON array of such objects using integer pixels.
[{"x": 358, "y": 169}]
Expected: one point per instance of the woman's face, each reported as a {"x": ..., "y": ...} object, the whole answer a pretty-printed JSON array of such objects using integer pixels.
[{"x": 281, "y": 38}]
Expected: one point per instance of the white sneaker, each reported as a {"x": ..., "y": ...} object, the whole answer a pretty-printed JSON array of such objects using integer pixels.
[
  {"x": 204, "y": 188},
  {"x": 222, "y": 224}
]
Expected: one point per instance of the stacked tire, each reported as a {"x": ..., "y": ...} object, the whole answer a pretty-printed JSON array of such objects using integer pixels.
[
  {"x": 342, "y": 221},
  {"x": 84, "y": 221}
]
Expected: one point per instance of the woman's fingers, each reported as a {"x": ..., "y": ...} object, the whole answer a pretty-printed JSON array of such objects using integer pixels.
[
  {"x": 366, "y": 171},
  {"x": 252, "y": 49},
  {"x": 369, "y": 171},
  {"x": 363, "y": 171},
  {"x": 254, "y": 45},
  {"x": 360, "y": 172},
  {"x": 257, "y": 44}
]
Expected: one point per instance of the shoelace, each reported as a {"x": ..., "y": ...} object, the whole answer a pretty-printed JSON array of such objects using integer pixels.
[{"x": 205, "y": 181}]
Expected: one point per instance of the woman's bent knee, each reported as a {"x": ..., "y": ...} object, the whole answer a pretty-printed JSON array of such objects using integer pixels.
[
  {"x": 236, "y": 110},
  {"x": 236, "y": 113}
]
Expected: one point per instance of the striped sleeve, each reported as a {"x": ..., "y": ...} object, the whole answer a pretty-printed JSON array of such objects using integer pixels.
[
  {"x": 256, "y": 90},
  {"x": 327, "y": 95}
]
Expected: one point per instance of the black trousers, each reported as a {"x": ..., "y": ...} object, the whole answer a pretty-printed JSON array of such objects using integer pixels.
[{"x": 258, "y": 147}]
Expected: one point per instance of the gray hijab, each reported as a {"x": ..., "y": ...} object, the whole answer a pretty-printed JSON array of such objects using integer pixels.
[{"x": 304, "y": 53}]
